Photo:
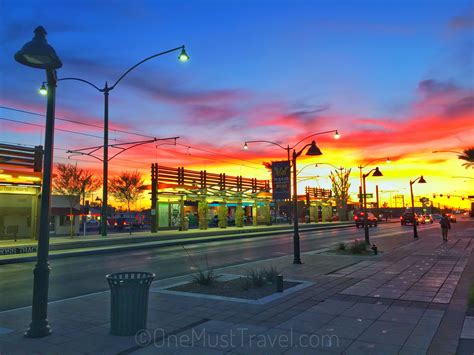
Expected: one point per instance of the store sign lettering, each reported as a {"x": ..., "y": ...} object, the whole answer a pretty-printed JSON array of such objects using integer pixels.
[{"x": 17, "y": 250}]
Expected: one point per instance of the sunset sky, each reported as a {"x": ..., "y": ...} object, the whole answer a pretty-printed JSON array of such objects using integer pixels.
[{"x": 396, "y": 78}]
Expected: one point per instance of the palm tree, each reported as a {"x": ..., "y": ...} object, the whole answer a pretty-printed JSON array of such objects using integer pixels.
[{"x": 468, "y": 156}]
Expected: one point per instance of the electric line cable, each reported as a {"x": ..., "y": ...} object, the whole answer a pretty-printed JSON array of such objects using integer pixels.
[{"x": 125, "y": 132}]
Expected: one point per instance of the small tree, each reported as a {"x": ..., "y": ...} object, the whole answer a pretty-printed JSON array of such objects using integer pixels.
[
  {"x": 89, "y": 184},
  {"x": 340, "y": 187},
  {"x": 222, "y": 215},
  {"x": 127, "y": 188},
  {"x": 202, "y": 213},
  {"x": 68, "y": 183},
  {"x": 239, "y": 215}
]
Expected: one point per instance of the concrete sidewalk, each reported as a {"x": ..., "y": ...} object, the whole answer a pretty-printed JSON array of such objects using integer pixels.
[
  {"x": 24, "y": 251},
  {"x": 395, "y": 303}
]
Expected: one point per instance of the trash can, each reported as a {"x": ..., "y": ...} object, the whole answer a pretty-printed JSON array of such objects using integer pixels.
[{"x": 129, "y": 301}]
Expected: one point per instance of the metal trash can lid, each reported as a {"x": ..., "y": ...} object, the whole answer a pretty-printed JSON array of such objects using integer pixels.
[{"x": 130, "y": 277}]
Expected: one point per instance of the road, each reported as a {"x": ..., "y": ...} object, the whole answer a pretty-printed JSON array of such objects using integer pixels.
[{"x": 81, "y": 275}]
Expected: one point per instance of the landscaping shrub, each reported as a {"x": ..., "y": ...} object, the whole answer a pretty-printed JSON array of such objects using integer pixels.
[
  {"x": 271, "y": 274},
  {"x": 358, "y": 247},
  {"x": 205, "y": 277},
  {"x": 341, "y": 246},
  {"x": 245, "y": 283},
  {"x": 257, "y": 277}
]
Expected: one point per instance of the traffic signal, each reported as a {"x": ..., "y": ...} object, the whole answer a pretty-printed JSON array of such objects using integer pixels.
[
  {"x": 462, "y": 197},
  {"x": 434, "y": 195},
  {"x": 449, "y": 196}
]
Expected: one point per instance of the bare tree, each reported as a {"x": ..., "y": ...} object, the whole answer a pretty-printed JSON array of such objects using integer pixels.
[
  {"x": 127, "y": 188},
  {"x": 340, "y": 187},
  {"x": 68, "y": 183}
]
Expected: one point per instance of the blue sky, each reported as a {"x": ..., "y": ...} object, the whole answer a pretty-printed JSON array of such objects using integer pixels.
[{"x": 259, "y": 69}]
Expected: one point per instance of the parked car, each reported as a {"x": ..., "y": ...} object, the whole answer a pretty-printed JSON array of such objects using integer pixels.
[
  {"x": 359, "y": 219},
  {"x": 407, "y": 218},
  {"x": 127, "y": 223}
]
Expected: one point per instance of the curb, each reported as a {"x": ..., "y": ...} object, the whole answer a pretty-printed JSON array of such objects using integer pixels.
[{"x": 167, "y": 243}]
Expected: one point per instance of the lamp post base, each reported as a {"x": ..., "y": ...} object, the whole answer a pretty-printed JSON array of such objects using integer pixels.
[
  {"x": 297, "y": 261},
  {"x": 38, "y": 329}
]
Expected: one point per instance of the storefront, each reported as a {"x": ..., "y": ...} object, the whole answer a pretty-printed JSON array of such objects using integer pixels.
[
  {"x": 18, "y": 211},
  {"x": 186, "y": 198}
]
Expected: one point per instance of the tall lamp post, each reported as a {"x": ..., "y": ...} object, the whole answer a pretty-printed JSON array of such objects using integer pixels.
[
  {"x": 361, "y": 198},
  {"x": 39, "y": 54},
  {"x": 420, "y": 180},
  {"x": 183, "y": 57},
  {"x": 376, "y": 172},
  {"x": 313, "y": 150}
]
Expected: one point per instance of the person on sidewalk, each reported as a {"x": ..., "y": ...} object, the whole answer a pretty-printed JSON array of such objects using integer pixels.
[{"x": 445, "y": 226}]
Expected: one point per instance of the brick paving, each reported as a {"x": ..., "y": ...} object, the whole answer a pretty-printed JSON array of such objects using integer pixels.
[{"x": 394, "y": 303}]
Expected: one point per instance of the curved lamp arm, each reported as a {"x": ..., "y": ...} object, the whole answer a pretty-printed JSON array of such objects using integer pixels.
[
  {"x": 418, "y": 178},
  {"x": 312, "y": 135},
  {"x": 278, "y": 145},
  {"x": 84, "y": 81},
  {"x": 143, "y": 61},
  {"x": 304, "y": 167},
  {"x": 365, "y": 175},
  {"x": 372, "y": 161},
  {"x": 297, "y": 154}
]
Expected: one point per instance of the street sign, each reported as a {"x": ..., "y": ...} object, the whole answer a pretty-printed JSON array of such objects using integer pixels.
[
  {"x": 366, "y": 195},
  {"x": 281, "y": 181}
]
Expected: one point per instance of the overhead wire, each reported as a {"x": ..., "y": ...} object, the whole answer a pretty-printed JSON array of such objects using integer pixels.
[{"x": 122, "y": 131}]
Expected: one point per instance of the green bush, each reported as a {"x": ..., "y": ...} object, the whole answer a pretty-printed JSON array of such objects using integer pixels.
[
  {"x": 271, "y": 274},
  {"x": 257, "y": 277},
  {"x": 341, "y": 246},
  {"x": 205, "y": 278},
  {"x": 222, "y": 215},
  {"x": 239, "y": 216},
  {"x": 359, "y": 247},
  {"x": 245, "y": 283},
  {"x": 203, "y": 208}
]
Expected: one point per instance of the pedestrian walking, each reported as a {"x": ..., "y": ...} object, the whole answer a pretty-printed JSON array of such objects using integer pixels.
[{"x": 445, "y": 226}]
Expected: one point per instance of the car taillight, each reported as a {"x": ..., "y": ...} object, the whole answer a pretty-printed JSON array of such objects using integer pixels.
[{"x": 355, "y": 218}]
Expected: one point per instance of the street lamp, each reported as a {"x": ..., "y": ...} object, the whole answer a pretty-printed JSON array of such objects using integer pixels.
[
  {"x": 39, "y": 54},
  {"x": 420, "y": 180},
  {"x": 183, "y": 57},
  {"x": 376, "y": 172},
  {"x": 387, "y": 161},
  {"x": 312, "y": 151}
]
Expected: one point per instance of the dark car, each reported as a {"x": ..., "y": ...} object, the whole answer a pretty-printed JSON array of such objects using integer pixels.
[
  {"x": 452, "y": 217},
  {"x": 360, "y": 217},
  {"x": 407, "y": 218}
]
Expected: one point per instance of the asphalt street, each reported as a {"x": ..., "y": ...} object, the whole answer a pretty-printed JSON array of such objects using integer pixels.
[{"x": 82, "y": 275}]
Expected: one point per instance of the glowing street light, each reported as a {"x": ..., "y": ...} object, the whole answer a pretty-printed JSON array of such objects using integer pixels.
[
  {"x": 376, "y": 173},
  {"x": 43, "y": 91},
  {"x": 420, "y": 180},
  {"x": 39, "y": 54},
  {"x": 183, "y": 57},
  {"x": 313, "y": 150}
]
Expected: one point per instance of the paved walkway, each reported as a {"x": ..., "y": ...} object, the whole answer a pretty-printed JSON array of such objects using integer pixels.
[{"x": 393, "y": 303}]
